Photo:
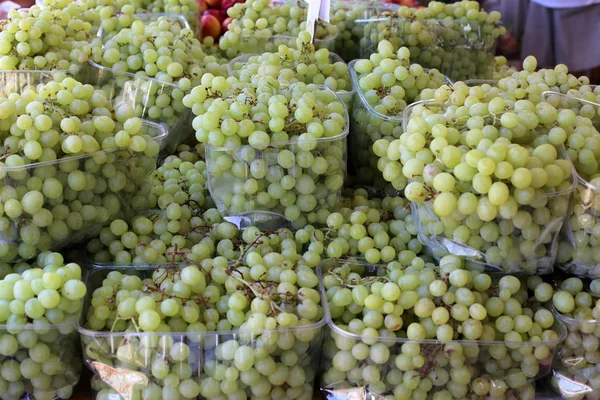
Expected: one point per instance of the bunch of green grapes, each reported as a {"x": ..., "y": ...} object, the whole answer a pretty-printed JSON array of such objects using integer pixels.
[
  {"x": 258, "y": 26},
  {"x": 487, "y": 179},
  {"x": 271, "y": 147},
  {"x": 40, "y": 39},
  {"x": 348, "y": 17},
  {"x": 70, "y": 164},
  {"x": 380, "y": 230},
  {"x": 412, "y": 329},
  {"x": 458, "y": 39},
  {"x": 300, "y": 63},
  {"x": 218, "y": 328},
  {"x": 38, "y": 344},
  {"x": 577, "y": 307},
  {"x": 386, "y": 83},
  {"x": 181, "y": 182},
  {"x": 178, "y": 234}
]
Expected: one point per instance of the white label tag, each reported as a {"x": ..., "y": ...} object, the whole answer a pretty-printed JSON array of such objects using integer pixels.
[
  {"x": 314, "y": 8},
  {"x": 113, "y": 396},
  {"x": 324, "y": 10}
]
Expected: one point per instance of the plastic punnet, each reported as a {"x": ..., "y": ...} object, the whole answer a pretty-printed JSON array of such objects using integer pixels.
[
  {"x": 226, "y": 188},
  {"x": 116, "y": 185},
  {"x": 574, "y": 371},
  {"x": 459, "y": 49},
  {"x": 342, "y": 378},
  {"x": 122, "y": 362},
  {"x": 142, "y": 93},
  {"x": 542, "y": 248},
  {"x": 345, "y": 14},
  {"x": 54, "y": 349},
  {"x": 251, "y": 65}
]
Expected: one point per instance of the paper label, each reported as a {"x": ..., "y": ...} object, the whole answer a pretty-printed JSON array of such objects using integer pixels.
[{"x": 314, "y": 8}]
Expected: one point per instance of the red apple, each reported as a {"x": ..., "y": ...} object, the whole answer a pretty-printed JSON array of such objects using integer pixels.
[
  {"x": 213, "y": 3},
  {"x": 220, "y": 16},
  {"x": 226, "y": 23},
  {"x": 210, "y": 26},
  {"x": 202, "y": 5}
]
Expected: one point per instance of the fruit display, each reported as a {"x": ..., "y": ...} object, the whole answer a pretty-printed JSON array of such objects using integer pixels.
[
  {"x": 59, "y": 186},
  {"x": 413, "y": 329},
  {"x": 257, "y": 27},
  {"x": 574, "y": 374},
  {"x": 459, "y": 39},
  {"x": 215, "y": 199},
  {"x": 39, "y": 347},
  {"x": 385, "y": 83}
]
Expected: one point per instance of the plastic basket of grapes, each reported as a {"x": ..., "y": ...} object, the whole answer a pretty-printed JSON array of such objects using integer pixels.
[
  {"x": 520, "y": 235},
  {"x": 200, "y": 361},
  {"x": 292, "y": 178},
  {"x": 459, "y": 49},
  {"x": 574, "y": 371},
  {"x": 152, "y": 99},
  {"x": 247, "y": 66},
  {"x": 345, "y": 13},
  {"x": 367, "y": 127},
  {"x": 55, "y": 203},
  {"x": 577, "y": 250},
  {"x": 367, "y": 353},
  {"x": 39, "y": 362}
]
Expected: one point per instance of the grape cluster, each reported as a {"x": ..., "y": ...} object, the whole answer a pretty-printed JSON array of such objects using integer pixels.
[
  {"x": 417, "y": 330},
  {"x": 486, "y": 178},
  {"x": 258, "y": 26},
  {"x": 38, "y": 345},
  {"x": 240, "y": 328},
  {"x": 298, "y": 64},
  {"x": 348, "y": 17},
  {"x": 577, "y": 307},
  {"x": 41, "y": 39},
  {"x": 385, "y": 84},
  {"x": 271, "y": 147},
  {"x": 458, "y": 39},
  {"x": 70, "y": 164}
]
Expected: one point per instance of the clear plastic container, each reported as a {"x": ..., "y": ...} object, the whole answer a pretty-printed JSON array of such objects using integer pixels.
[
  {"x": 242, "y": 61},
  {"x": 252, "y": 44},
  {"x": 122, "y": 362},
  {"x": 141, "y": 93},
  {"x": 530, "y": 250},
  {"x": 18, "y": 81},
  {"x": 116, "y": 185},
  {"x": 44, "y": 362},
  {"x": 575, "y": 374},
  {"x": 500, "y": 379},
  {"x": 345, "y": 13},
  {"x": 459, "y": 49},
  {"x": 321, "y": 190},
  {"x": 578, "y": 250}
]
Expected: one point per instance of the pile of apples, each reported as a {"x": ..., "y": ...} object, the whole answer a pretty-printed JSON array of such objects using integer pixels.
[{"x": 213, "y": 16}]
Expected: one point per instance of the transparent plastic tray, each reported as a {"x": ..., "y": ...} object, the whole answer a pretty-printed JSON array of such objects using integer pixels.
[
  {"x": 542, "y": 248},
  {"x": 116, "y": 184},
  {"x": 122, "y": 361},
  {"x": 578, "y": 253},
  {"x": 459, "y": 49},
  {"x": 46, "y": 362},
  {"x": 18, "y": 81},
  {"x": 252, "y": 44},
  {"x": 239, "y": 62},
  {"x": 231, "y": 199},
  {"x": 345, "y": 13},
  {"x": 574, "y": 371},
  {"x": 352, "y": 381},
  {"x": 141, "y": 93}
]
